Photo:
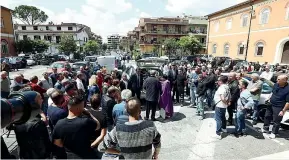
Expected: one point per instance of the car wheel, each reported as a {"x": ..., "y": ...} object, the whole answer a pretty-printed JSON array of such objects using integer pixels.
[
  {"x": 284, "y": 126},
  {"x": 262, "y": 112}
]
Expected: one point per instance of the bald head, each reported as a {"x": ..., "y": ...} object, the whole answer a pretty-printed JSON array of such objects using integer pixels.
[
  {"x": 133, "y": 107},
  {"x": 232, "y": 76},
  {"x": 282, "y": 80}
]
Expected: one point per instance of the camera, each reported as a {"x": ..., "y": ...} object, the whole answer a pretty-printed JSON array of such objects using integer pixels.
[{"x": 19, "y": 107}]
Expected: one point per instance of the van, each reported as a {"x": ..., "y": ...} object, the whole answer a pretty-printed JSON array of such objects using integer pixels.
[{"x": 109, "y": 62}]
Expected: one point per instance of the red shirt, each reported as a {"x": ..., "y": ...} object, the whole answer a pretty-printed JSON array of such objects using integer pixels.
[
  {"x": 99, "y": 83},
  {"x": 37, "y": 88}
]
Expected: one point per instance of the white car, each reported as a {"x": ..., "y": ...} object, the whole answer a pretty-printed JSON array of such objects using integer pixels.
[{"x": 30, "y": 62}]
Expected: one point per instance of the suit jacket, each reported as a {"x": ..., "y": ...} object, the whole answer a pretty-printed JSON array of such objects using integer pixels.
[
  {"x": 132, "y": 83},
  {"x": 172, "y": 77},
  {"x": 153, "y": 89},
  {"x": 122, "y": 85}
]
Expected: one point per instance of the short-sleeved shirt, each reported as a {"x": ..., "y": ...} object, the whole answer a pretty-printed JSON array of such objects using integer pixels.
[
  {"x": 280, "y": 96},
  {"x": 258, "y": 84},
  {"x": 222, "y": 90},
  {"x": 76, "y": 134},
  {"x": 102, "y": 120}
]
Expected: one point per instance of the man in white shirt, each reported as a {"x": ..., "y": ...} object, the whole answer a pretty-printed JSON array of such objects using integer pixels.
[
  {"x": 267, "y": 74},
  {"x": 13, "y": 62},
  {"x": 79, "y": 83},
  {"x": 166, "y": 69},
  {"x": 221, "y": 99},
  {"x": 46, "y": 83}
]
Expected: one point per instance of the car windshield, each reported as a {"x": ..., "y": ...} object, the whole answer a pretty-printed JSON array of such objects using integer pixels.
[
  {"x": 57, "y": 65},
  {"x": 78, "y": 64}
]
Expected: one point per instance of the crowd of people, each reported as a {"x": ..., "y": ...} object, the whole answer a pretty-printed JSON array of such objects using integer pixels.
[{"x": 99, "y": 116}]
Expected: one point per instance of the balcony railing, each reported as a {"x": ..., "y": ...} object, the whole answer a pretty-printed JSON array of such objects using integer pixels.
[
  {"x": 163, "y": 32},
  {"x": 198, "y": 32}
]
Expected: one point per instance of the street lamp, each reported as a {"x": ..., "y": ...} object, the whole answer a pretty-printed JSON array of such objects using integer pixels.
[{"x": 163, "y": 46}]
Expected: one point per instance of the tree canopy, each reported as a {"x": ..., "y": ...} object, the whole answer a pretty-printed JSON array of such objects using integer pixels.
[
  {"x": 104, "y": 46},
  {"x": 30, "y": 15},
  {"x": 171, "y": 45},
  {"x": 67, "y": 44},
  {"x": 91, "y": 46},
  {"x": 190, "y": 44},
  {"x": 29, "y": 46}
]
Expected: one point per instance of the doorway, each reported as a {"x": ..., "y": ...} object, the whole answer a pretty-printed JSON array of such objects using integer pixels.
[{"x": 285, "y": 54}]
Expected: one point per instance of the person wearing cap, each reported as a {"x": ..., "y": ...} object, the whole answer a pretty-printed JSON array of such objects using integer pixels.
[
  {"x": 255, "y": 87},
  {"x": 267, "y": 74}
]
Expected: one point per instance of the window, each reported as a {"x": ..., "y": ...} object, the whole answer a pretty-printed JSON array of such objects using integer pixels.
[
  {"x": 217, "y": 25},
  {"x": 259, "y": 49},
  {"x": 35, "y": 27},
  {"x": 47, "y": 28},
  {"x": 265, "y": 16},
  {"x": 45, "y": 38},
  {"x": 244, "y": 20},
  {"x": 4, "y": 47},
  {"x": 241, "y": 48},
  {"x": 214, "y": 48},
  {"x": 23, "y": 27},
  {"x": 49, "y": 38},
  {"x": 226, "y": 49},
  {"x": 59, "y": 28},
  {"x": 37, "y": 38},
  {"x": 58, "y": 39},
  {"x": 24, "y": 37},
  {"x": 70, "y": 28},
  {"x": 2, "y": 22},
  {"x": 229, "y": 24}
]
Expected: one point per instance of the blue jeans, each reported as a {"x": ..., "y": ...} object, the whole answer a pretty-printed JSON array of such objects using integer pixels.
[
  {"x": 193, "y": 95},
  {"x": 255, "y": 111},
  {"x": 210, "y": 97},
  {"x": 220, "y": 117},
  {"x": 240, "y": 121},
  {"x": 201, "y": 105}
]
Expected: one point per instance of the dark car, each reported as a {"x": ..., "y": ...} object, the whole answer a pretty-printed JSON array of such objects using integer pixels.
[
  {"x": 21, "y": 62},
  {"x": 230, "y": 63},
  {"x": 76, "y": 66}
]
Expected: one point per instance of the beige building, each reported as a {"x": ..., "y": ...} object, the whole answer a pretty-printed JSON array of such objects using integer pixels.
[
  {"x": 256, "y": 30},
  {"x": 153, "y": 31}
]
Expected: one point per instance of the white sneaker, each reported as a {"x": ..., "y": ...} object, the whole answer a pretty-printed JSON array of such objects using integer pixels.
[
  {"x": 216, "y": 136},
  {"x": 272, "y": 136},
  {"x": 224, "y": 130}
]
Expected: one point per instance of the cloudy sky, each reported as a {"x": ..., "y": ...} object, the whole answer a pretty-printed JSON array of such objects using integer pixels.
[{"x": 107, "y": 17}]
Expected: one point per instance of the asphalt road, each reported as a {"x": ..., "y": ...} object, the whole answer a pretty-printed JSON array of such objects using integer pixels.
[{"x": 184, "y": 136}]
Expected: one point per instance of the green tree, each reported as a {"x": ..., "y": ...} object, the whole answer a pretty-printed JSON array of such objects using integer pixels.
[
  {"x": 121, "y": 47},
  {"x": 155, "y": 49},
  {"x": 67, "y": 44},
  {"x": 29, "y": 14},
  {"x": 171, "y": 45},
  {"x": 91, "y": 47},
  {"x": 104, "y": 46},
  {"x": 131, "y": 48},
  {"x": 29, "y": 46},
  {"x": 190, "y": 44},
  {"x": 40, "y": 46}
]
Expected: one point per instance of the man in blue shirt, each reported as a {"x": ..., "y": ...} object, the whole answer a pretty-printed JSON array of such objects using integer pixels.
[
  {"x": 119, "y": 109},
  {"x": 280, "y": 104}
]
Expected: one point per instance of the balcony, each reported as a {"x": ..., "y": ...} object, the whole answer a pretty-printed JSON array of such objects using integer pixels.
[
  {"x": 162, "y": 32},
  {"x": 198, "y": 32}
]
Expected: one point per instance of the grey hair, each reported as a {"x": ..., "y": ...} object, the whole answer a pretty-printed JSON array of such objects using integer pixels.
[
  {"x": 126, "y": 94},
  {"x": 256, "y": 75}
]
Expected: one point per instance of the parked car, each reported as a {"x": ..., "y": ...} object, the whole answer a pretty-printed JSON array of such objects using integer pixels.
[
  {"x": 91, "y": 58},
  {"x": 61, "y": 66},
  {"x": 76, "y": 66},
  {"x": 30, "y": 62}
]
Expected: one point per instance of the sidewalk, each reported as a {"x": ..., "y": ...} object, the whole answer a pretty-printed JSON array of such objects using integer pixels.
[{"x": 281, "y": 155}]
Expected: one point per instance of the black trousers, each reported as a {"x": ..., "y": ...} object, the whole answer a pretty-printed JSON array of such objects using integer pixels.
[
  {"x": 175, "y": 93},
  {"x": 136, "y": 92},
  {"x": 230, "y": 110},
  {"x": 181, "y": 95},
  {"x": 272, "y": 113},
  {"x": 151, "y": 105}
]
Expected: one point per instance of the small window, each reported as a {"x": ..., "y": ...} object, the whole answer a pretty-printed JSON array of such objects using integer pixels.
[
  {"x": 49, "y": 38},
  {"x": 217, "y": 25},
  {"x": 245, "y": 20},
  {"x": 45, "y": 38},
  {"x": 2, "y": 23},
  {"x": 229, "y": 24},
  {"x": 226, "y": 49},
  {"x": 241, "y": 48},
  {"x": 4, "y": 47},
  {"x": 265, "y": 16},
  {"x": 70, "y": 28},
  {"x": 59, "y": 28},
  {"x": 58, "y": 39},
  {"x": 35, "y": 27},
  {"x": 24, "y": 37},
  {"x": 259, "y": 49},
  {"x": 37, "y": 38},
  {"x": 47, "y": 28},
  {"x": 214, "y": 48},
  {"x": 23, "y": 27}
]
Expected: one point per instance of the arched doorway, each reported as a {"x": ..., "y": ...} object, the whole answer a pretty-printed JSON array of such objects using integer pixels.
[{"x": 285, "y": 54}]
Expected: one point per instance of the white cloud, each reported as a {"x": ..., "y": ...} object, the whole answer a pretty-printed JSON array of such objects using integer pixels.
[
  {"x": 114, "y": 6},
  {"x": 198, "y": 7},
  {"x": 144, "y": 15}
]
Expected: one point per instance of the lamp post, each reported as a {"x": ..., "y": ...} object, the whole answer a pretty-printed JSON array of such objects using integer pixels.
[{"x": 162, "y": 47}]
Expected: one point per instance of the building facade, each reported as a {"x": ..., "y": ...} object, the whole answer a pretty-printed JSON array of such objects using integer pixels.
[
  {"x": 255, "y": 30},
  {"x": 154, "y": 31},
  {"x": 51, "y": 33},
  {"x": 113, "y": 41},
  {"x": 7, "y": 33}
]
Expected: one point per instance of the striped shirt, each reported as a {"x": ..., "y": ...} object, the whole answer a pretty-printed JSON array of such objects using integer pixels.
[{"x": 135, "y": 139}]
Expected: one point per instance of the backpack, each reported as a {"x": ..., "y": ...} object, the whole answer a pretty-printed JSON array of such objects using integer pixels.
[{"x": 33, "y": 140}]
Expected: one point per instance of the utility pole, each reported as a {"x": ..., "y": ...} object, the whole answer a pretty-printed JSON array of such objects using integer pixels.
[{"x": 249, "y": 32}]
